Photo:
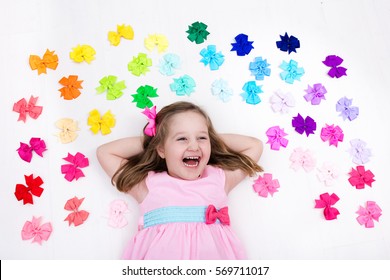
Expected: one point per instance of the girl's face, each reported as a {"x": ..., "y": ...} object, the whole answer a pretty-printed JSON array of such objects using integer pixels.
[{"x": 187, "y": 148}]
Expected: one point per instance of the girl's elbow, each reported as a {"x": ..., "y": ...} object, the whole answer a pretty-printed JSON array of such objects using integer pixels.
[{"x": 257, "y": 148}]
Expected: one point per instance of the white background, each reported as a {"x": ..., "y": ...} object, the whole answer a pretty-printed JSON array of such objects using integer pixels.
[{"x": 285, "y": 226}]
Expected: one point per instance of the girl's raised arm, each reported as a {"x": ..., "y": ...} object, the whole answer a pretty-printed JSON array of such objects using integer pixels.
[
  {"x": 247, "y": 145},
  {"x": 113, "y": 154}
]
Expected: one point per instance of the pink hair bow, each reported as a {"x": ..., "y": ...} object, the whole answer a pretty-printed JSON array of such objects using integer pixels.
[
  {"x": 150, "y": 128},
  {"x": 77, "y": 217},
  {"x": 24, "y": 108},
  {"x": 36, "y": 144},
  {"x": 332, "y": 133},
  {"x": 212, "y": 214},
  {"x": 35, "y": 230},
  {"x": 117, "y": 219},
  {"x": 361, "y": 177},
  {"x": 33, "y": 188},
  {"x": 266, "y": 185},
  {"x": 72, "y": 171},
  {"x": 326, "y": 201},
  {"x": 369, "y": 214}
]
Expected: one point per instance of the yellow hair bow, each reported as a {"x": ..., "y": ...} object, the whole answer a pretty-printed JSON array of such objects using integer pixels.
[
  {"x": 125, "y": 31},
  {"x": 104, "y": 123},
  {"x": 156, "y": 40},
  {"x": 82, "y": 52}
]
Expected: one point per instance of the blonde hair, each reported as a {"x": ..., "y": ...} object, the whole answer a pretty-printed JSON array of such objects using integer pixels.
[{"x": 137, "y": 167}]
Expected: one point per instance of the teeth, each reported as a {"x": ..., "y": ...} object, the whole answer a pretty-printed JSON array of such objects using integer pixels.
[
  {"x": 191, "y": 158},
  {"x": 188, "y": 165}
]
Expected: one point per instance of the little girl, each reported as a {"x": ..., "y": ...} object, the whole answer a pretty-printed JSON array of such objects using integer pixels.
[{"x": 180, "y": 173}]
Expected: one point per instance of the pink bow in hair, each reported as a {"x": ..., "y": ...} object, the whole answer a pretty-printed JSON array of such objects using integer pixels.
[
  {"x": 24, "y": 108},
  {"x": 36, "y": 144},
  {"x": 150, "y": 129},
  {"x": 35, "y": 230},
  {"x": 212, "y": 214}
]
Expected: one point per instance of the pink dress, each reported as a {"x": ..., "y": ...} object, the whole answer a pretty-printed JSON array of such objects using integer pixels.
[{"x": 172, "y": 222}]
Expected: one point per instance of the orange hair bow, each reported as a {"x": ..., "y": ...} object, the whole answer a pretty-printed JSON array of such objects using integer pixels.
[{"x": 49, "y": 60}]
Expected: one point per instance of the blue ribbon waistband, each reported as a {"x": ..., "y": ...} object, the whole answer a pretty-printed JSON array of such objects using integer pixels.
[{"x": 175, "y": 214}]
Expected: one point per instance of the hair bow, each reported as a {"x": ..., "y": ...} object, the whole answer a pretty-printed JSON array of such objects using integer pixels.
[
  {"x": 117, "y": 218},
  {"x": 103, "y": 123},
  {"x": 150, "y": 128},
  {"x": 49, "y": 60},
  {"x": 125, "y": 31},
  {"x": 212, "y": 214},
  {"x": 35, "y": 230},
  {"x": 326, "y": 201},
  {"x": 72, "y": 171},
  {"x": 36, "y": 144},
  {"x": 24, "y": 108},
  {"x": 333, "y": 134},
  {"x": 77, "y": 217},
  {"x": 33, "y": 188},
  {"x": 368, "y": 214}
]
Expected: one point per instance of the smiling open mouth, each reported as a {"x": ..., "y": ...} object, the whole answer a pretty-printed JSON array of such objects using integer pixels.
[{"x": 191, "y": 161}]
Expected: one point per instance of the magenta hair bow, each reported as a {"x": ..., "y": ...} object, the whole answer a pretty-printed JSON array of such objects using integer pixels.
[
  {"x": 24, "y": 108},
  {"x": 77, "y": 217},
  {"x": 276, "y": 138},
  {"x": 326, "y": 201},
  {"x": 34, "y": 230},
  {"x": 36, "y": 144},
  {"x": 33, "y": 188},
  {"x": 332, "y": 133},
  {"x": 212, "y": 214},
  {"x": 150, "y": 128},
  {"x": 72, "y": 171},
  {"x": 369, "y": 214}
]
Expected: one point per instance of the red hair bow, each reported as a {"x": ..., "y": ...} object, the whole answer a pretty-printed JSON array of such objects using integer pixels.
[
  {"x": 212, "y": 214},
  {"x": 24, "y": 108},
  {"x": 33, "y": 188},
  {"x": 36, "y": 144}
]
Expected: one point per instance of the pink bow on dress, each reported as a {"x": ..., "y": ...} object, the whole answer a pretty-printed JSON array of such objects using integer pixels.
[
  {"x": 24, "y": 108},
  {"x": 35, "y": 230},
  {"x": 150, "y": 128},
  {"x": 212, "y": 214},
  {"x": 36, "y": 144}
]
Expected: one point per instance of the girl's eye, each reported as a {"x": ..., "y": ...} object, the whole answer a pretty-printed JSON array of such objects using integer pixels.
[
  {"x": 203, "y": 138},
  {"x": 181, "y": 139}
]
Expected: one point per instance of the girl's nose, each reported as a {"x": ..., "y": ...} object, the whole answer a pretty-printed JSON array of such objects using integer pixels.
[{"x": 193, "y": 146}]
